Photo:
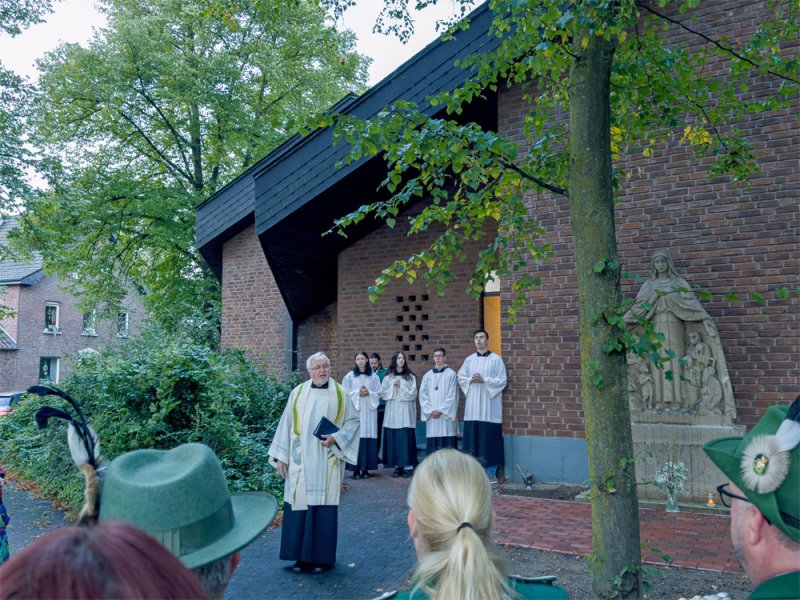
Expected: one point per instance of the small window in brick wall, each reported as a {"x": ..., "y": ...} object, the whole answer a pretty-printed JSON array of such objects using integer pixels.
[
  {"x": 122, "y": 323},
  {"x": 51, "y": 318},
  {"x": 89, "y": 323},
  {"x": 412, "y": 308},
  {"x": 48, "y": 369}
]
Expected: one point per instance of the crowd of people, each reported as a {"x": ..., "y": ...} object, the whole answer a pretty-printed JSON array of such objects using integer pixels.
[{"x": 167, "y": 526}]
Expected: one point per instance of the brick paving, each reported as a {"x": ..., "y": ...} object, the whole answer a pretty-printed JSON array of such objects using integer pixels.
[
  {"x": 694, "y": 540},
  {"x": 375, "y": 553}
]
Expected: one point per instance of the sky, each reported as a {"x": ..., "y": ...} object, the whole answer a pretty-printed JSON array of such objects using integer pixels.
[{"x": 73, "y": 20}]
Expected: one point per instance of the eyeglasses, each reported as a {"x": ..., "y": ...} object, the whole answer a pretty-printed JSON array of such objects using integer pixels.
[
  {"x": 723, "y": 493},
  {"x": 321, "y": 368}
]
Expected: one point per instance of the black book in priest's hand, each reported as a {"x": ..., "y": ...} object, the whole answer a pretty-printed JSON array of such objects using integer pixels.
[{"x": 325, "y": 427}]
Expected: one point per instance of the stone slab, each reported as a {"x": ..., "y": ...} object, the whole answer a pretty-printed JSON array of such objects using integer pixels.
[{"x": 653, "y": 444}]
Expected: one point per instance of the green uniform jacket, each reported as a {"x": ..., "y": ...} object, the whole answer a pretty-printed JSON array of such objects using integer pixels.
[
  {"x": 532, "y": 588},
  {"x": 778, "y": 588}
]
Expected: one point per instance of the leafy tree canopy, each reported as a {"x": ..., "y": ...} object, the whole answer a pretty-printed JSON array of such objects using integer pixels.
[
  {"x": 170, "y": 101},
  {"x": 15, "y": 16}
]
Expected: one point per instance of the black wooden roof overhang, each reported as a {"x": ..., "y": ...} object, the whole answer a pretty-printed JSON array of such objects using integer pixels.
[{"x": 296, "y": 192}]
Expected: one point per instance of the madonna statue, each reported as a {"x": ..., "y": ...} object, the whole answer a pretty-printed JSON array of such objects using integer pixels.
[{"x": 666, "y": 300}]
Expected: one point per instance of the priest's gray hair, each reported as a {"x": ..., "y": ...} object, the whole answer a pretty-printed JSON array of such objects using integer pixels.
[{"x": 314, "y": 357}]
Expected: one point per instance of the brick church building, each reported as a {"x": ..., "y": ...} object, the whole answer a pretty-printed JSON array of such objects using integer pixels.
[{"x": 287, "y": 291}]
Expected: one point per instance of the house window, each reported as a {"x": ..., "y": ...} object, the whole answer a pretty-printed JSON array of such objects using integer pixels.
[
  {"x": 48, "y": 369},
  {"x": 51, "y": 318},
  {"x": 122, "y": 323},
  {"x": 89, "y": 323}
]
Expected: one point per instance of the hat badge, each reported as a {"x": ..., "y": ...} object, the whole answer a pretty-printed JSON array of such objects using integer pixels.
[
  {"x": 766, "y": 460},
  {"x": 760, "y": 464}
]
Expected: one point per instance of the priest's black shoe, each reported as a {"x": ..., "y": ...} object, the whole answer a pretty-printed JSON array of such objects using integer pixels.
[
  {"x": 398, "y": 472},
  {"x": 320, "y": 569},
  {"x": 298, "y": 567}
]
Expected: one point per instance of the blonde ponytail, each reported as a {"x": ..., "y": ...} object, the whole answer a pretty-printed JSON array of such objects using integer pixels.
[{"x": 451, "y": 498}]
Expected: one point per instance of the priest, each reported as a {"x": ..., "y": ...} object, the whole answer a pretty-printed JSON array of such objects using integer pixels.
[
  {"x": 313, "y": 464},
  {"x": 482, "y": 378}
]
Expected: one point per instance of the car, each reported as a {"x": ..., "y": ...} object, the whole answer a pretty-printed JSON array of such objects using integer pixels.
[{"x": 8, "y": 401}]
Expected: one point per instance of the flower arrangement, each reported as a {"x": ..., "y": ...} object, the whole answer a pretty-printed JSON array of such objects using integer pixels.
[{"x": 671, "y": 476}]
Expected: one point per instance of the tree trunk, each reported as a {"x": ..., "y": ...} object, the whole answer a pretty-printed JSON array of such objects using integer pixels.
[{"x": 616, "y": 553}]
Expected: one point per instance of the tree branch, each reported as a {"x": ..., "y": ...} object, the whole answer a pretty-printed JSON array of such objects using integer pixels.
[
  {"x": 155, "y": 148},
  {"x": 179, "y": 139},
  {"x": 727, "y": 49},
  {"x": 536, "y": 180}
]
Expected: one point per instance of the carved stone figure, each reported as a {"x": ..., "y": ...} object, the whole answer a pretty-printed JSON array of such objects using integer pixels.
[
  {"x": 640, "y": 384},
  {"x": 667, "y": 302},
  {"x": 698, "y": 357},
  {"x": 646, "y": 385},
  {"x": 710, "y": 394}
]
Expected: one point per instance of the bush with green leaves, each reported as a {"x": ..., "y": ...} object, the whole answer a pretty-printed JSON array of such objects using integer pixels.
[{"x": 157, "y": 391}]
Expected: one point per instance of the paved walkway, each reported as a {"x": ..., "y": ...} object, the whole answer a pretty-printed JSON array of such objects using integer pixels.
[
  {"x": 375, "y": 553},
  {"x": 693, "y": 539}
]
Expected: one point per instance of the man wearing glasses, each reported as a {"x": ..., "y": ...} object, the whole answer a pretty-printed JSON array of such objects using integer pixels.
[
  {"x": 764, "y": 497},
  {"x": 317, "y": 434}
]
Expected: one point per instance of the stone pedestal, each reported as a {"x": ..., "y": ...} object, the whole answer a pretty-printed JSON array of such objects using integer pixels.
[{"x": 653, "y": 445}]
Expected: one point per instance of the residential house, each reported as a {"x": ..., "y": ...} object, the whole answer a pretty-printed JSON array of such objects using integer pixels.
[{"x": 44, "y": 331}]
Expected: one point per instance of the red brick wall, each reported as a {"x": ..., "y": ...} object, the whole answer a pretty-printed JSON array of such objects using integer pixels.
[
  {"x": 720, "y": 235},
  {"x": 9, "y": 299},
  {"x": 406, "y": 317},
  {"x": 253, "y": 313},
  {"x": 254, "y": 317},
  {"x": 317, "y": 333}
]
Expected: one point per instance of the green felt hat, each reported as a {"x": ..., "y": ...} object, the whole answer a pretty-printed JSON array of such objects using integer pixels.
[
  {"x": 765, "y": 465},
  {"x": 180, "y": 497}
]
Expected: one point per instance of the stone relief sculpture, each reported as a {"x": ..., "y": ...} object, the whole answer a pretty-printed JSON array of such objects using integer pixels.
[{"x": 700, "y": 384}]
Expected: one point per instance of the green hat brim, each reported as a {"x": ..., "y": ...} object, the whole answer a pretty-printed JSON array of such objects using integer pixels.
[
  {"x": 726, "y": 454},
  {"x": 253, "y": 512}
]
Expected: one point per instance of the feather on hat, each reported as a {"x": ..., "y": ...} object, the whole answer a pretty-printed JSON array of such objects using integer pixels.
[{"x": 84, "y": 447}]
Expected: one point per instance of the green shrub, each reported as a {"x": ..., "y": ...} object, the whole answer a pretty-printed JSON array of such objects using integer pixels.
[{"x": 156, "y": 391}]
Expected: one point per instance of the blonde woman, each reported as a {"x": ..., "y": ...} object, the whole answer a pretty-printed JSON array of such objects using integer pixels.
[{"x": 450, "y": 516}]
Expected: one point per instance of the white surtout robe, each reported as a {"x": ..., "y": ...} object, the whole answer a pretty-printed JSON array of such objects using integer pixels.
[
  {"x": 401, "y": 402},
  {"x": 439, "y": 391},
  {"x": 315, "y": 473},
  {"x": 366, "y": 406},
  {"x": 484, "y": 401}
]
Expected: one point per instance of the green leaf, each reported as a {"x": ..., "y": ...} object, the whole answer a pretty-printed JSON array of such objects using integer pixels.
[
  {"x": 782, "y": 293},
  {"x": 599, "y": 266}
]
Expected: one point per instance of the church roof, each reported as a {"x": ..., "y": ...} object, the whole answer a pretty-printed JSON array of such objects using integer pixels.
[{"x": 294, "y": 193}]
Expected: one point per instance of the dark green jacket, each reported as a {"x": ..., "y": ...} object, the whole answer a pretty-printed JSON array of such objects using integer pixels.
[
  {"x": 781, "y": 587},
  {"x": 530, "y": 588}
]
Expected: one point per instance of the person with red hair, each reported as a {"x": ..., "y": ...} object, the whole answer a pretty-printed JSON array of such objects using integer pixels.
[{"x": 108, "y": 560}]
